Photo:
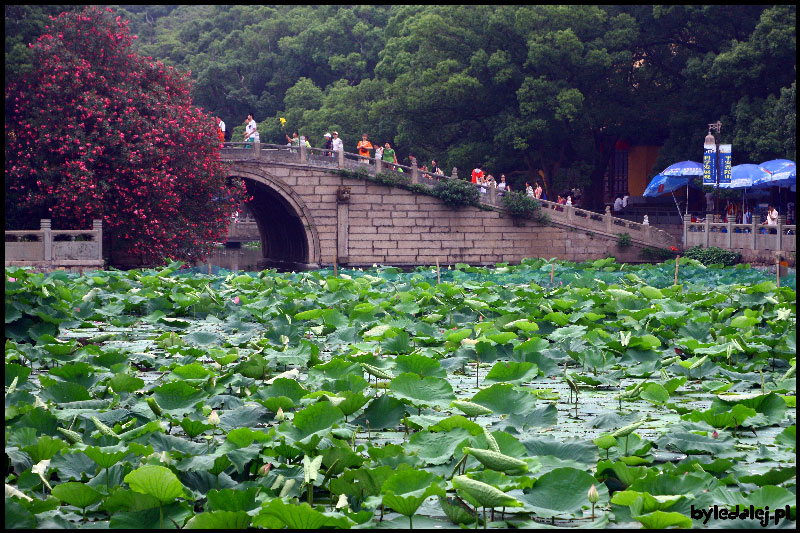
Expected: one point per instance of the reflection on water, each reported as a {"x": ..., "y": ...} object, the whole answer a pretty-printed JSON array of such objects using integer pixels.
[{"x": 234, "y": 258}]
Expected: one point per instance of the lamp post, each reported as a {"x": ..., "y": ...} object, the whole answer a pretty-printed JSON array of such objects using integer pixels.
[{"x": 710, "y": 139}]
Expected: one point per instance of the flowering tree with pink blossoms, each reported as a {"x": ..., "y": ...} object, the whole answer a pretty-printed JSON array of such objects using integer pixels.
[{"x": 96, "y": 131}]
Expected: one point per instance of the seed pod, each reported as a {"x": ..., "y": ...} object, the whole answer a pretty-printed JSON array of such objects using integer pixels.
[
  {"x": 104, "y": 429},
  {"x": 153, "y": 404},
  {"x": 71, "y": 436},
  {"x": 491, "y": 441},
  {"x": 278, "y": 482},
  {"x": 375, "y": 371},
  {"x": 498, "y": 461}
]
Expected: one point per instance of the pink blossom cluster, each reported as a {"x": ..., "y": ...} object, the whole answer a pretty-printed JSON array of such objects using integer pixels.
[{"x": 96, "y": 131}]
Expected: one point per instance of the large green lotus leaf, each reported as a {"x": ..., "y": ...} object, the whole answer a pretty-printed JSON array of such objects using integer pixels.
[
  {"x": 419, "y": 364},
  {"x": 13, "y": 370},
  {"x": 156, "y": 481},
  {"x": 661, "y": 484},
  {"x": 362, "y": 482},
  {"x": 194, "y": 371},
  {"x": 619, "y": 470},
  {"x": 316, "y": 419},
  {"x": 723, "y": 419},
  {"x": 400, "y": 343},
  {"x": 457, "y": 336},
  {"x": 17, "y": 516},
  {"x": 152, "y": 517},
  {"x": 298, "y": 516},
  {"x": 691, "y": 443},
  {"x": 457, "y": 421},
  {"x": 299, "y": 355},
  {"x": 203, "y": 339},
  {"x": 483, "y": 494},
  {"x": 177, "y": 395},
  {"x": 771, "y": 405},
  {"x": 506, "y": 399},
  {"x": 567, "y": 333},
  {"x": 193, "y": 428},
  {"x": 65, "y": 392},
  {"x": 663, "y": 520},
  {"x": 106, "y": 456},
  {"x": 219, "y": 520},
  {"x": 437, "y": 448},
  {"x": 289, "y": 388},
  {"x": 45, "y": 447},
  {"x": 422, "y": 391},
  {"x": 544, "y": 416},
  {"x": 404, "y": 491},
  {"x": 382, "y": 413},
  {"x": 333, "y": 370},
  {"x": 788, "y": 437},
  {"x": 77, "y": 494},
  {"x": 125, "y": 383},
  {"x": 76, "y": 372},
  {"x": 562, "y": 492},
  {"x": 512, "y": 372},
  {"x": 654, "y": 393},
  {"x": 246, "y": 416},
  {"x": 573, "y": 450}
]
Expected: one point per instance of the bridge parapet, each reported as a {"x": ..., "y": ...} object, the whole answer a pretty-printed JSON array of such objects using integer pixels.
[{"x": 567, "y": 216}]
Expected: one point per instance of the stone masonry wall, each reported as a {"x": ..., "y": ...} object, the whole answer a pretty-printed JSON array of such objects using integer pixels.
[{"x": 388, "y": 225}]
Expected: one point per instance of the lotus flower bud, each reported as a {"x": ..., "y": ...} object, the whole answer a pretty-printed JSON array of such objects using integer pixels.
[
  {"x": 279, "y": 416},
  {"x": 213, "y": 418},
  {"x": 593, "y": 495},
  {"x": 715, "y": 434},
  {"x": 264, "y": 470},
  {"x": 342, "y": 503}
]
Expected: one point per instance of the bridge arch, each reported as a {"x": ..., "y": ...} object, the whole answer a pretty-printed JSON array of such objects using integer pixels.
[{"x": 289, "y": 237}]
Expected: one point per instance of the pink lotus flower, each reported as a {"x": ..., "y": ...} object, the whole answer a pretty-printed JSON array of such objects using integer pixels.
[{"x": 236, "y": 300}]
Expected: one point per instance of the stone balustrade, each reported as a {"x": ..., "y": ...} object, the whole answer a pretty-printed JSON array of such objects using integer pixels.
[
  {"x": 753, "y": 240},
  {"x": 50, "y": 249}
]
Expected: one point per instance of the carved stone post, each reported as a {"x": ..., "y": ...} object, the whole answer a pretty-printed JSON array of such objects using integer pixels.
[
  {"x": 492, "y": 195},
  {"x": 97, "y": 228},
  {"x": 342, "y": 223},
  {"x": 414, "y": 172},
  {"x": 257, "y": 150},
  {"x": 340, "y": 157},
  {"x": 47, "y": 238},
  {"x": 729, "y": 238},
  {"x": 303, "y": 150},
  {"x": 378, "y": 165},
  {"x": 454, "y": 173},
  {"x": 609, "y": 220},
  {"x": 707, "y": 235}
]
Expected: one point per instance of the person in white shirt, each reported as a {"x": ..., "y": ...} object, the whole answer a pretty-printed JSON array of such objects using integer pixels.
[
  {"x": 221, "y": 126},
  {"x": 337, "y": 142},
  {"x": 772, "y": 216},
  {"x": 251, "y": 129},
  {"x": 618, "y": 204}
]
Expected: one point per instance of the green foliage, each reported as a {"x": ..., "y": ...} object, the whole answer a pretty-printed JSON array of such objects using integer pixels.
[
  {"x": 713, "y": 256},
  {"x": 518, "y": 204},
  {"x": 456, "y": 193},
  {"x": 624, "y": 240},
  {"x": 656, "y": 254}
]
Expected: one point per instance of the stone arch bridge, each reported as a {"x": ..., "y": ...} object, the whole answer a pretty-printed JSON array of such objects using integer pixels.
[{"x": 309, "y": 216}]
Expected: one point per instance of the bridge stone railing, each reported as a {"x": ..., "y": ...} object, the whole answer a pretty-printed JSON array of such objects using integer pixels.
[
  {"x": 570, "y": 216},
  {"x": 49, "y": 249},
  {"x": 747, "y": 239}
]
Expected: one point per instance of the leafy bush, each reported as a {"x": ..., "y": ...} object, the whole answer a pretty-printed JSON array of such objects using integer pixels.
[
  {"x": 713, "y": 256},
  {"x": 456, "y": 193},
  {"x": 624, "y": 240},
  {"x": 520, "y": 205},
  {"x": 657, "y": 254}
]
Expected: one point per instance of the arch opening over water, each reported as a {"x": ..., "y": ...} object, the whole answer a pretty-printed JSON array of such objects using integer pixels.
[{"x": 288, "y": 239}]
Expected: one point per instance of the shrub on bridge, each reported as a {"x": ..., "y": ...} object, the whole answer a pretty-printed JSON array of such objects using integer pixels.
[
  {"x": 520, "y": 205},
  {"x": 456, "y": 193},
  {"x": 713, "y": 256},
  {"x": 96, "y": 131}
]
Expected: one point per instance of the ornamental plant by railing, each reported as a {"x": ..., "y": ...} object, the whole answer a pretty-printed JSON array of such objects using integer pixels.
[
  {"x": 624, "y": 240},
  {"x": 521, "y": 206},
  {"x": 713, "y": 256},
  {"x": 455, "y": 193},
  {"x": 656, "y": 254}
]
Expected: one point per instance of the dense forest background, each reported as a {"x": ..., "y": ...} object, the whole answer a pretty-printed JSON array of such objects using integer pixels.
[{"x": 516, "y": 89}]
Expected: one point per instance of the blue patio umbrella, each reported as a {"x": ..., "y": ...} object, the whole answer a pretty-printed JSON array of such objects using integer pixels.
[
  {"x": 775, "y": 165},
  {"x": 662, "y": 184},
  {"x": 684, "y": 168},
  {"x": 782, "y": 176},
  {"x": 745, "y": 176}
]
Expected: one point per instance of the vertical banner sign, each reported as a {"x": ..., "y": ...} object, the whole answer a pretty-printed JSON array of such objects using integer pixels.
[
  {"x": 709, "y": 164},
  {"x": 725, "y": 163}
]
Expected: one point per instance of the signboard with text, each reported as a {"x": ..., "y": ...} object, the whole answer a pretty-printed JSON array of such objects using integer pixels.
[
  {"x": 725, "y": 163},
  {"x": 709, "y": 164}
]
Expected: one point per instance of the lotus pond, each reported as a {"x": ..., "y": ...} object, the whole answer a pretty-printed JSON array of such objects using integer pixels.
[{"x": 547, "y": 393}]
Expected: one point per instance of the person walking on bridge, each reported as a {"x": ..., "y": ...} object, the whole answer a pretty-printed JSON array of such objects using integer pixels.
[
  {"x": 388, "y": 155},
  {"x": 250, "y": 130},
  {"x": 337, "y": 144},
  {"x": 364, "y": 146}
]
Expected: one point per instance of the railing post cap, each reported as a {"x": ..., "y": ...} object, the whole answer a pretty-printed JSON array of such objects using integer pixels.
[{"x": 44, "y": 223}]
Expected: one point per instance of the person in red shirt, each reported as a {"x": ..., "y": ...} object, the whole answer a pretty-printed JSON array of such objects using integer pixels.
[
  {"x": 477, "y": 172},
  {"x": 364, "y": 146}
]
